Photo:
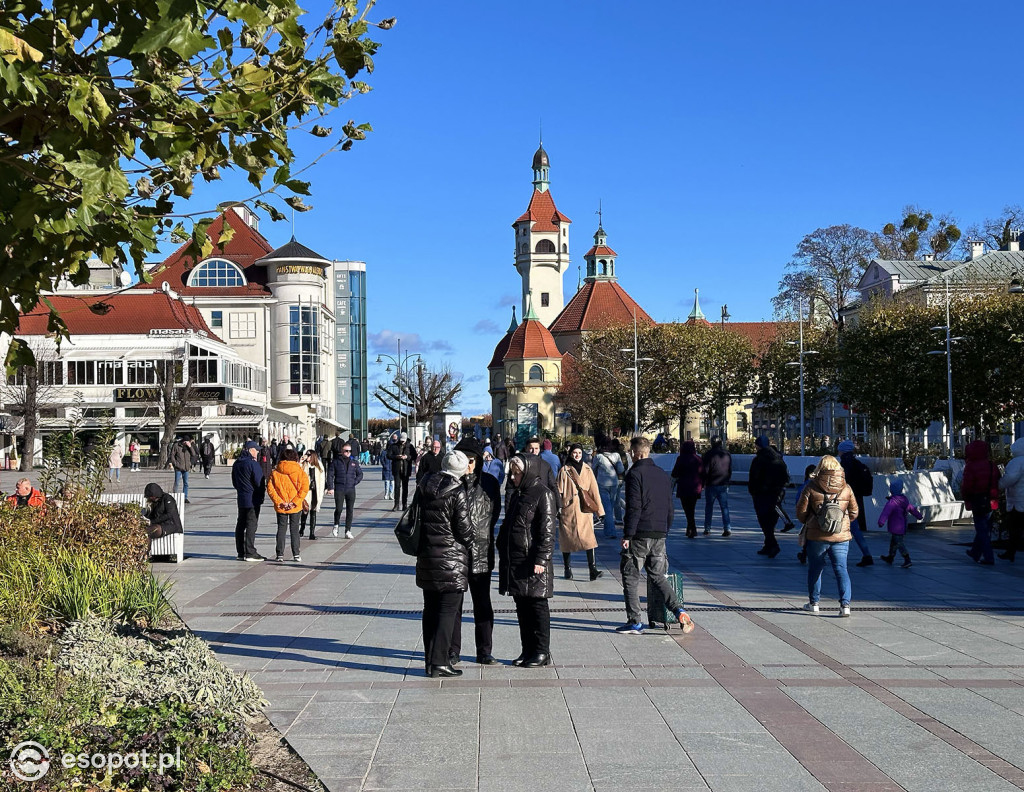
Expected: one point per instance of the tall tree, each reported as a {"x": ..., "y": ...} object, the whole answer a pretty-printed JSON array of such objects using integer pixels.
[
  {"x": 30, "y": 389},
  {"x": 172, "y": 401},
  {"x": 917, "y": 233},
  {"x": 113, "y": 108},
  {"x": 998, "y": 232},
  {"x": 420, "y": 393},
  {"x": 825, "y": 270}
]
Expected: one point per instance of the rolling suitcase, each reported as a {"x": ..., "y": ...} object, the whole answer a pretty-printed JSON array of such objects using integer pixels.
[{"x": 658, "y": 615}]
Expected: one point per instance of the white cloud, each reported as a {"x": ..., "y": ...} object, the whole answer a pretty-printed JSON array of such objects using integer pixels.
[{"x": 387, "y": 341}]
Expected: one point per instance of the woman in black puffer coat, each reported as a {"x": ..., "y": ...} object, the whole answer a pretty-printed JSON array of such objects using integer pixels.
[
  {"x": 525, "y": 544},
  {"x": 442, "y": 565}
]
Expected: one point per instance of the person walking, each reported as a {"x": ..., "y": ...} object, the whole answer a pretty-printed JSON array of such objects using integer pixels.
[
  {"x": 207, "y": 452},
  {"x": 894, "y": 518},
  {"x": 688, "y": 473},
  {"x": 182, "y": 458},
  {"x": 115, "y": 462},
  {"x": 250, "y": 487},
  {"x": 483, "y": 495},
  {"x": 136, "y": 453},
  {"x": 442, "y": 565},
  {"x": 1012, "y": 483},
  {"x": 768, "y": 479},
  {"x": 500, "y": 449},
  {"x": 980, "y": 493},
  {"x": 858, "y": 476},
  {"x": 287, "y": 488},
  {"x": 608, "y": 469},
  {"x": 355, "y": 446},
  {"x": 826, "y": 508},
  {"x": 648, "y": 518},
  {"x": 387, "y": 475},
  {"x": 581, "y": 499},
  {"x": 493, "y": 465},
  {"x": 550, "y": 457},
  {"x": 717, "y": 478},
  {"x": 525, "y": 544},
  {"x": 275, "y": 451},
  {"x": 429, "y": 462},
  {"x": 403, "y": 455},
  {"x": 315, "y": 497},
  {"x": 343, "y": 475}
]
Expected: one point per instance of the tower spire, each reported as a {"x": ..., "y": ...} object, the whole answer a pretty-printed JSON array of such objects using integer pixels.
[
  {"x": 541, "y": 166},
  {"x": 515, "y": 323},
  {"x": 529, "y": 307},
  {"x": 696, "y": 314}
]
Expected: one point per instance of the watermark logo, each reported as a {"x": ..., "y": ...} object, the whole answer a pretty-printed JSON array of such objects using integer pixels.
[{"x": 29, "y": 761}]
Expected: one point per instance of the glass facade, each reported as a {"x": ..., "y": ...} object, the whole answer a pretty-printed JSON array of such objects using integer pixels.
[
  {"x": 304, "y": 350},
  {"x": 350, "y": 343}
]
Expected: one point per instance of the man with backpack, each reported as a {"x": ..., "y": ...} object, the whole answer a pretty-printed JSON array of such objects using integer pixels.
[
  {"x": 862, "y": 483},
  {"x": 207, "y": 453},
  {"x": 767, "y": 484}
]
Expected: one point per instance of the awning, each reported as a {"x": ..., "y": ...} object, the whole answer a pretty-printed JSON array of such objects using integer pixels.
[
  {"x": 281, "y": 417},
  {"x": 331, "y": 422}
]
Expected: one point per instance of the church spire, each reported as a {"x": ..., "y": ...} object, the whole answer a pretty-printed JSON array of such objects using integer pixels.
[
  {"x": 530, "y": 314},
  {"x": 600, "y": 258},
  {"x": 541, "y": 166},
  {"x": 514, "y": 324},
  {"x": 696, "y": 314}
]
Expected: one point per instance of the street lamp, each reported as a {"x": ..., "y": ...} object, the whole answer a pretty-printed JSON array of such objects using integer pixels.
[
  {"x": 725, "y": 404},
  {"x": 1016, "y": 287},
  {"x": 803, "y": 352},
  {"x": 635, "y": 368},
  {"x": 400, "y": 363},
  {"x": 949, "y": 363}
]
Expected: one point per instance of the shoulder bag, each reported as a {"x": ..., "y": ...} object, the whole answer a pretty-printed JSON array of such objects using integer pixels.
[
  {"x": 588, "y": 503},
  {"x": 408, "y": 529}
]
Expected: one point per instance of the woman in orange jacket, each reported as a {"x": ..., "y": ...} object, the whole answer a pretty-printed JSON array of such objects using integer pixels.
[{"x": 287, "y": 488}]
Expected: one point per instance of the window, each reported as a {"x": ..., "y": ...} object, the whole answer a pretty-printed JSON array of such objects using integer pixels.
[
  {"x": 81, "y": 372},
  {"x": 202, "y": 365},
  {"x": 216, "y": 319},
  {"x": 545, "y": 300},
  {"x": 217, "y": 272},
  {"x": 108, "y": 372},
  {"x": 565, "y": 248},
  {"x": 242, "y": 324},
  {"x": 304, "y": 350},
  {"x": 545, "y": 246},
  {"x": 141, "y": 372},
  {"x": 536, "y": 374},
  {"x": 604, "y": 267},
  {"x": 50, "y": 373}
]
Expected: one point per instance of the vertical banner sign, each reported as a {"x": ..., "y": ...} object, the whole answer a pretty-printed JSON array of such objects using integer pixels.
[{"x": 526, "y": 420}]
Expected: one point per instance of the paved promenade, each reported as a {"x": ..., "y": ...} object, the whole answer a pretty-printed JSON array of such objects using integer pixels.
[{"x": 922, "y": 689}]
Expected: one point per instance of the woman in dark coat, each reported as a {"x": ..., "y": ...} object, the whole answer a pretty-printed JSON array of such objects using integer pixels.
[
  {"x": 442, "y": 566},
  {"x": 525, "y": 545},
  {"x": 689, "y": 475},
  {"x": 163, "y": 512}
]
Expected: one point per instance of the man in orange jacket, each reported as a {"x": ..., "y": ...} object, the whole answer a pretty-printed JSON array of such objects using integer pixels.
[{"x": 26, "y": 495}]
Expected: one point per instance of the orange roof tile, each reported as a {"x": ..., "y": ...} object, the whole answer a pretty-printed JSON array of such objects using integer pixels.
[
  {"x": 499, "y": 351},
  {"x": 760, "y": 334},
  {"x": 597, "y": 305},
  {"x": 131, "y": 312},
  {"x": 531, "y": 340},
  {"x": 542, "y": 212},
  {"x": 600, "y": 250}
]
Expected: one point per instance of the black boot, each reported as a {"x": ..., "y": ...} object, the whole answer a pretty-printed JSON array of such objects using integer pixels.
[
  {"x": 568, "y": 569},
  {"x": 595, "y": 573}
]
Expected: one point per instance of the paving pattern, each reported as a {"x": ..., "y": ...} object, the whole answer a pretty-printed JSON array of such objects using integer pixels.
[{"x": 922, "y": 689}]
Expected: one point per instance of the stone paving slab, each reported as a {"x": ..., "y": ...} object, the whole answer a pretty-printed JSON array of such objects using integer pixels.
[{"x": 761, "y": 697}]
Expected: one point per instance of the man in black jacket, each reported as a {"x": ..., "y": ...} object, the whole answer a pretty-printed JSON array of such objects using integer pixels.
[
  {"x": 207, "y": 452},
  {"x": 430, "y": 462},
  {"x": 341, "y": 478},
  {"x": 649, "y": 513},
  {"x": 717, "y": 477},
  {"x": 767, "y": 484},
  {"x": 402, "y": 455}
]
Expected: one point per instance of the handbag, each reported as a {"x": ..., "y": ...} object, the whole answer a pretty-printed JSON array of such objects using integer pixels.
[
  {"x": 407, "y": 531},
  {"x": 588, "y": 503}
]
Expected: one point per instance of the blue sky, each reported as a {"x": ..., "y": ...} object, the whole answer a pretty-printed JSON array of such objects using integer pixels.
[{"x": 716, "y": 135}]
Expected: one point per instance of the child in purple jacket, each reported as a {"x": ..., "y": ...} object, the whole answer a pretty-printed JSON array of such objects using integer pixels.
[{"x": 895, "y": 513}]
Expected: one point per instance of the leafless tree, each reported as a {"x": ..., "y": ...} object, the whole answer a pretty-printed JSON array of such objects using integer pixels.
[
  {"x": 420, "y": 393},
  {"x": 30, "y": 389},
  {"x": 172, "y": 400}
]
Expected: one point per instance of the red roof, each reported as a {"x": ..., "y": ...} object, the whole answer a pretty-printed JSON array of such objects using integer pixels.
[
  {"x": 244, "y": 249},
  {"x": 499, "y": 351},
  {"x": 543, "y": 213},
  {"x": 600, "y": 250},
  {"x": 599, "y": 304},
  {"x": 131, "y": 313},
  {"x": 760, "y": 334},
  {"x": 531, "y": 340}
]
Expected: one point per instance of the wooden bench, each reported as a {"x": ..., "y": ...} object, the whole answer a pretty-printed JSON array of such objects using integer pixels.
[{"x": 172, "y": 545}]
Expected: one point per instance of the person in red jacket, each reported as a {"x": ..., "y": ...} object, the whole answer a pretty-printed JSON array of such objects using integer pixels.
[
  {"x": 979, "y": 491},
  {"x": 26, "y": 495}
]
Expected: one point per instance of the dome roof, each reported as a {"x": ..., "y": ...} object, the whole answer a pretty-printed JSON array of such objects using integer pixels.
[
  {"x": 532, "y": 340},
  {"x": 294, "y": 251},
  {"x": 540, "y": 159}
]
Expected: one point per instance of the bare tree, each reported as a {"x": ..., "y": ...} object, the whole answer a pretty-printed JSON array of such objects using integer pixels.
[
  {"x": 999, "y": 231},
  {"x": 172, "y": 401},
  {"x": 30, "y": 389},
  {"x": 420, "y": 393}
]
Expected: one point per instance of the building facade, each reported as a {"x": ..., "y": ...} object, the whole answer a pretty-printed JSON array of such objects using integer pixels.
[{"x": 352, "y": 380}]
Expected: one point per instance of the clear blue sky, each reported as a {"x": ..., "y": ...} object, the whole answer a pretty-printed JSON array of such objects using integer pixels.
[{"x": 716, "y": 134}]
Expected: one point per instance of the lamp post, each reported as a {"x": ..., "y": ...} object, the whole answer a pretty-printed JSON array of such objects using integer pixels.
[
  {"x": 949, "y": 367},
  {"x": 725, "y": 403},
  {"x": 400, "y": 363},
  {"x": 635, "y": 368},
  {"x": 803, "y": 352}
]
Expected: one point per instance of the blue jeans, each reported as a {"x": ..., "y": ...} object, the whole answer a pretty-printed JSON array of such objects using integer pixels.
[
  {"x": 836, "y": 553},
  {"x": 718, "y": 493},
  {"x": 981, "y": 547},
  {"x": 858, "y": 537},
  {"x": 608, "y": 503},
  {"x": 181, "y": 476}
]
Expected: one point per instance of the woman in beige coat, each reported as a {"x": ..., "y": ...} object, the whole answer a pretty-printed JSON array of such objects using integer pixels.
[
  {"x": 827, "y": 490},
  {"x": 577, "y": 526}
]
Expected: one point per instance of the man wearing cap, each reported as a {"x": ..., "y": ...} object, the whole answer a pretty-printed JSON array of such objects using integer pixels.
[
  {"x": 402, "y": 455},
  {"x": 858, "y": 476},
  {"x": 248, "y": 480},
  {"x": 767, "y": 484}
]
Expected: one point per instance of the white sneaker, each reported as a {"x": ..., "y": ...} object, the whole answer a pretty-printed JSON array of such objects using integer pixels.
[
  {"x": 348, "y": 534},
  {"x": 335, "y": 531},
  {"x": 844, "y": 610},
  {"x": 811, "y": 606},
  {"x": 296, "y": 558}
]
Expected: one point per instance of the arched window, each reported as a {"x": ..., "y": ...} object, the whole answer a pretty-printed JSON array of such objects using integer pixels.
[
  {"x": 545, "y": 246},
  {"x": 565, "y": 248},
  {"x": 217, "y": 272},
  {"x": 604, "y": 267},
  {"x": 536, "y": 374}
]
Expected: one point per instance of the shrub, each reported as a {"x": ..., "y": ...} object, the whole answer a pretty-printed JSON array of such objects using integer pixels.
[{"x": 133, "y": 670}]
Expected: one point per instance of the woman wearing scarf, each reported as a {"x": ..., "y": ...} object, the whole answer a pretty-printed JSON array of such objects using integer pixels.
[{"x": 581, "y": 500}]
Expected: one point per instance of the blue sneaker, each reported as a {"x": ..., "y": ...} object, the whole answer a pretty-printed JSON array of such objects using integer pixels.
[{"x": 630, "y": 629}]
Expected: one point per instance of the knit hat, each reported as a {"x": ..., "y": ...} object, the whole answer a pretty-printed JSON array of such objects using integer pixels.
[
  {"x": 252, "y": 444},
  {"x": 762, "y": 442},
  {"x": 455, "y": 463},
  {"x": 896, "y": 487},
  {"x": 546, "y": 445},
  {"x": 846, "y": 446},
  {"x": 403, "y": 437}
]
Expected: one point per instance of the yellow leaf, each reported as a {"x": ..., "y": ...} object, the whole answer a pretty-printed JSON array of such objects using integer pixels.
[{"x": 13, "y": 48}]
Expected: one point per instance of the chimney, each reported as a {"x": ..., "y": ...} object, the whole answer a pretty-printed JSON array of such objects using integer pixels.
[
  {"x": 1014, "y": 246},
  {"x": 929, "y": 257},
  {"x": 977, "y": 248}
]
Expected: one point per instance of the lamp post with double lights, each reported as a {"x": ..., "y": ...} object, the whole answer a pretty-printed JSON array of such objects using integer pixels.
[
  {"x": 724, "y": 417},
  {"x": 950, "y": 339},
  {"x": 800, "y": 363},
  {"x": 401, "y": 364},
  {"x": 635, "y": 368}
]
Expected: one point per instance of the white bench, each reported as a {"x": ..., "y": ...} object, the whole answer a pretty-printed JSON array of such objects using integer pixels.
[{"x": 170, "y": 545}]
